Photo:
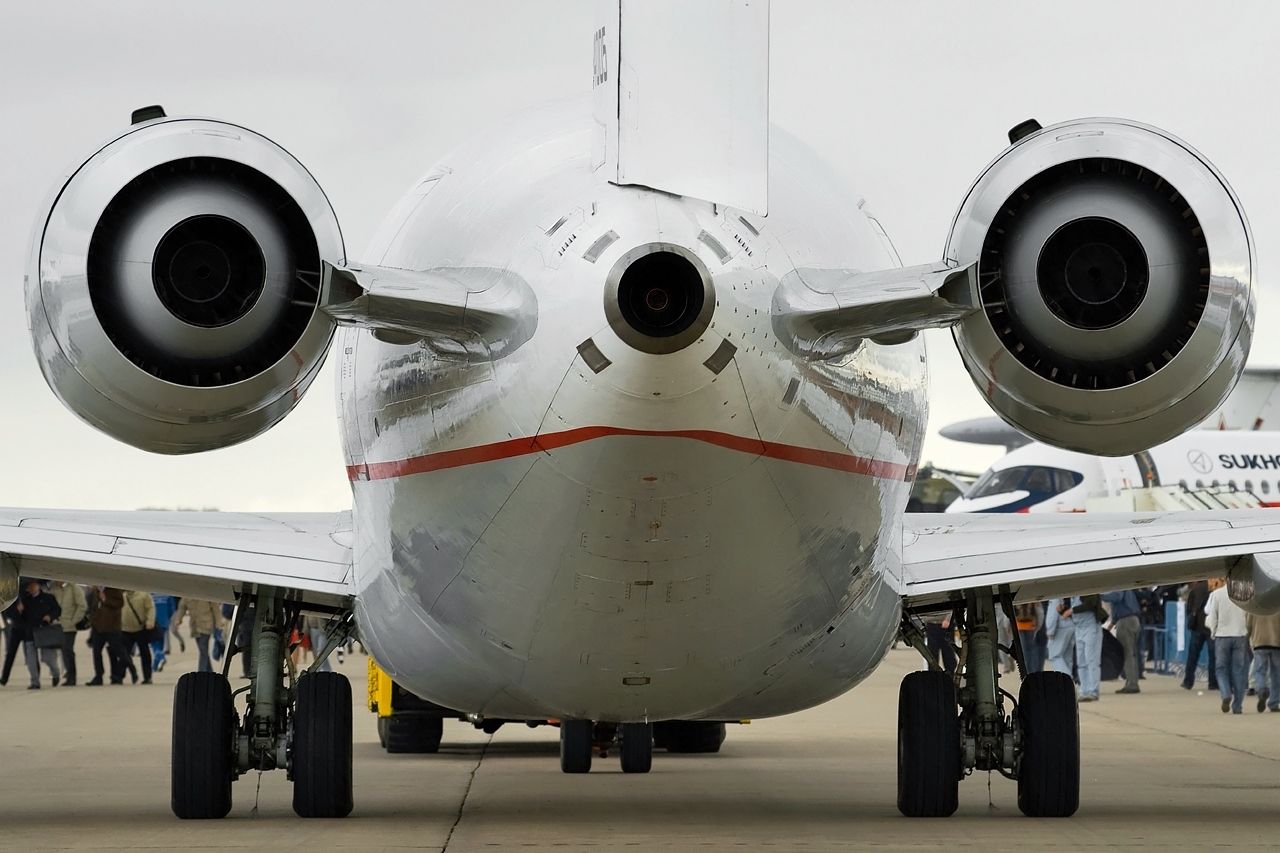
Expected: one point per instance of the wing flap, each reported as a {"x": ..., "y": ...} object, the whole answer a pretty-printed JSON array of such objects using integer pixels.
[
  {"x": 1043, "y": 557},
  {"x": 204, "y": 554},
  {"x": 34, "y": 537}
]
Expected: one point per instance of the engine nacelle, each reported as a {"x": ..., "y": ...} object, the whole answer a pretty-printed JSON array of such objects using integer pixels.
[
  {"x": 1254, "y": 584},
  {"x": 1115, "y": 270},
  {"x": 174, "y": 289}
]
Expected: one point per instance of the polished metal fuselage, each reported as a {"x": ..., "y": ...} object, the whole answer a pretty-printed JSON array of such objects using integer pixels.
[{"x": 572, "y": 528}]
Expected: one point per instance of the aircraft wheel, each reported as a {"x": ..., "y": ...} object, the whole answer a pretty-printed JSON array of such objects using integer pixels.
[
  {"x": 576, "y": 742},
  {"x": 204, "y": 724},
  {"x": 322, "y": 746},
  {"x": 636, "y": 747},
  {"x": 1049, "y": 770},
  {"x": 929, "y": 758},
  {"x": 410, "y": 734},
  {"x": 689, "y": 736},
  {"x": 382, "y": 731}
]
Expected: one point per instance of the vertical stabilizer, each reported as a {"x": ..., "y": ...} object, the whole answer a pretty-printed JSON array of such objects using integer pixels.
[{"x": 682, "y": 97}]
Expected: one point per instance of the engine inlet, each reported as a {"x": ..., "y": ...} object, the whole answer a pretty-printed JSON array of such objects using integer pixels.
[
  {"x": 1095, "y": 273},
  {"x": 203, "y": 272}
]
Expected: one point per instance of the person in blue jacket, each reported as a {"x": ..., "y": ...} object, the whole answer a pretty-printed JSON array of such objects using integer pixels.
[{"x": 165, "y": 605}]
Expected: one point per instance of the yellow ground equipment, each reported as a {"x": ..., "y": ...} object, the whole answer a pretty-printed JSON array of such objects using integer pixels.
[{"x": 406, "y": 723}]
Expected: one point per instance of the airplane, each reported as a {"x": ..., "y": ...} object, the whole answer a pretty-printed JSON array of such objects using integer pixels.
[
  {"x": 1039, "y": 478},
  {"x": 1229, "y": 451},
  {"x": 1250, "y": 406},
  {"x": 631, "y": 394}
]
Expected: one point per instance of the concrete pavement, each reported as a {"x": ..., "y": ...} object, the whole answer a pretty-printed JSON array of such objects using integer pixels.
[{"x": 87, "y": 769}]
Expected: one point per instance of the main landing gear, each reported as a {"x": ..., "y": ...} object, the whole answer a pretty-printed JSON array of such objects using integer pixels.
[
  {"x": 950, "y": 726},
  {"x": 300, "y": 724}
]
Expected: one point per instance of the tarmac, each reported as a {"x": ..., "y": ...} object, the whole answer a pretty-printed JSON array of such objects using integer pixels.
[{"x": 87, "y": 769}]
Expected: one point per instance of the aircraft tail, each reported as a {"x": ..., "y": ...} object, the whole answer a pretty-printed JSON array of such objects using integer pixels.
[{"x": 682, "y": 98}]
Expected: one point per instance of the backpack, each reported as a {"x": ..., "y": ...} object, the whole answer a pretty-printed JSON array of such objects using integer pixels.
[{"x": 1089, "y": 604}]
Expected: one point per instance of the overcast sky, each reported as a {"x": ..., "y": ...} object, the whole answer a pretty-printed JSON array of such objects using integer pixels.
[{"x": 907, "y": 100}]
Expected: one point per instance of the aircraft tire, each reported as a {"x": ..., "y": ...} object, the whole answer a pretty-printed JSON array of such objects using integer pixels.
[
  {"x": 929, "y": 759},
  {"x": 322, "y": 746},
  {"x": 576, "y": 743},
  {"x": 204, "y": 723},
  {"x": 412, "y": 734},
  {"x": 690, "y": 736},
  {"x": 635, "y": 747},
  {"x": 382, "y": 731},
  {"x": 1049, "y": 771}
]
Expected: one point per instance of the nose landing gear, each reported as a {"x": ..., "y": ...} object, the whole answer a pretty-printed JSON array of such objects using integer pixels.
[
  {"x": 579, "y": 739},
  {"x": 635, "y": 747},
  {"x": 577, "y": 743},
  {"x": 947, "y": 729}
]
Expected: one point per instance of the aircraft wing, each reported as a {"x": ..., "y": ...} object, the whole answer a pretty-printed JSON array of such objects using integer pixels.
[
  {"x": 1054, "y": 556},
  {"x": 201, "y": 554}
]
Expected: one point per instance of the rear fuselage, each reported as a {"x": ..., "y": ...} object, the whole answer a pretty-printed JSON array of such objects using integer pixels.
[{"x": 579, "y": 529}]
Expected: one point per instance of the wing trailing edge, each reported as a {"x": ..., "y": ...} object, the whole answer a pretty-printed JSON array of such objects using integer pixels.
[
  {"x": 208, "y": 555},
  {"x": 1047, "y": 556}
]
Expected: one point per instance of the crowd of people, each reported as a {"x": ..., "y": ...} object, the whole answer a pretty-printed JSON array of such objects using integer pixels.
[
  {"x": 1242, "y": 650},
  {"x": 129, "y": 632}
]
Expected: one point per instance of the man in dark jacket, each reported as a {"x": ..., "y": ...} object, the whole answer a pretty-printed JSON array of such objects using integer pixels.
[
  {"x": 37, "y": 609},
  {"x": 1197, "y": 598},
  {"x": 105, "y": 606}
]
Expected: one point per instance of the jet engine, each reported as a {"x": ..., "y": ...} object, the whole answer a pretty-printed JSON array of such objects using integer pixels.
[
  {"x": 174, "y": 288},
  {"x": 1115, "y": 272}
]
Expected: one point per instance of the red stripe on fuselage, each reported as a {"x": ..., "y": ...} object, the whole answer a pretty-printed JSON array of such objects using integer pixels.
[{"x": 551, "y": 441}]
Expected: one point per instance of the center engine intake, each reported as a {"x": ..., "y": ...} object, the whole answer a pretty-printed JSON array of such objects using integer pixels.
[
  {"x": 1115, "y": 273},
  {"x": 174, "y": 292}
]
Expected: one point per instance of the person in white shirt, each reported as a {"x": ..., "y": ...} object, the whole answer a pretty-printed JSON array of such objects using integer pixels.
[{"x": 1226, "y": 621}]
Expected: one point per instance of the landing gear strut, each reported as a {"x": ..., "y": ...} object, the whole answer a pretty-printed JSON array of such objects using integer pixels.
[
  {"x": 298, "y": 724},
  {"x": 1035, "y": 740}
]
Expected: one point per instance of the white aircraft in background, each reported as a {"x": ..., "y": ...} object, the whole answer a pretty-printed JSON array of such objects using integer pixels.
[
  {"x": 631, "y": 397},
  {"x": 1040, "y": 478},
  {"x": 1230, "y": 451}
]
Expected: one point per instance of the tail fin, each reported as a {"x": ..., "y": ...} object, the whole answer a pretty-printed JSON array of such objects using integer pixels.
[{"x": 682, "y": 97}]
